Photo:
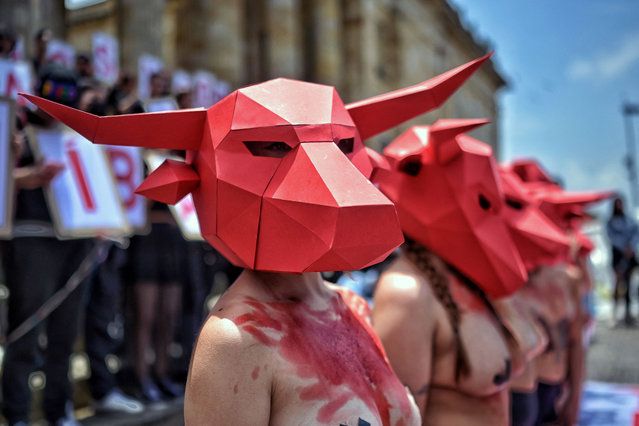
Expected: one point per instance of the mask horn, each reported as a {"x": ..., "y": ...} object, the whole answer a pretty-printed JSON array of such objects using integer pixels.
[
  {"x": 442, "y": 135},
  {"x": 380, "y": 113},
  {"x": 182, "y": 129}
]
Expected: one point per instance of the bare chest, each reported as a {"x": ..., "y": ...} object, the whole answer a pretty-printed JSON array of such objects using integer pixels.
[{"x": 327, "y": 367}]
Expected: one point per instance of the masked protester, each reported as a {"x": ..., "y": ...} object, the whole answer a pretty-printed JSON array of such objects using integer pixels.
[{"x": 432, "y": 306}]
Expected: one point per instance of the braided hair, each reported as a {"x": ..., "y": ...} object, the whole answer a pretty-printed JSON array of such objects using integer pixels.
[{"x": 422, "y": 258}]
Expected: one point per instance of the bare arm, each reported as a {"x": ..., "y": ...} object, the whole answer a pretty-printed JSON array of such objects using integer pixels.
[
  {"x": 405, "y": 323},
  {"x": 222, "y": 386}
]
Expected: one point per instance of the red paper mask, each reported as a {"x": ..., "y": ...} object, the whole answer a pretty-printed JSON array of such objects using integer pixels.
[
  {"x": 278, "y": 170},
  {"x": 563, "y": 208},
  {"x": 446, "y": 188},
  {"x": 539, "y": 241}
]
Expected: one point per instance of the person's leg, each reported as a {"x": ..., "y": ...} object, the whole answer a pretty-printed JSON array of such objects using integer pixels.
[
  {"x": 627, "y": 276},
  {"x": 102, "y": 308},
  {"x": 26, "y": 266},
  {"x": 169, "y": 307},
  {"x": 145, "y": 300},
  {"x": 62, "y": 331}
]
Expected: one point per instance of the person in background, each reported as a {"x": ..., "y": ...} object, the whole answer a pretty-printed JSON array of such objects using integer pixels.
[
  {"x": 155, "y": 272},
  {"x": 7, "y": 42},
  {"x": 42, "y": 39},
  {"x": 624, "y": 236},
  {"x": 36, "y": 265},
  {"x": 103, "y": 301}
]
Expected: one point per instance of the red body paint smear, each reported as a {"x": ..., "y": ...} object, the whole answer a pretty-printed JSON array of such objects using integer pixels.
[
  {"x": 235, "y": 390},
  {"x": 335, "y": 348},
  {"x": 256, "y": 373}
]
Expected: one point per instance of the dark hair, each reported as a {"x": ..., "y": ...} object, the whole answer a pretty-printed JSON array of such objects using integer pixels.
[{"x": 422, "y": 258}]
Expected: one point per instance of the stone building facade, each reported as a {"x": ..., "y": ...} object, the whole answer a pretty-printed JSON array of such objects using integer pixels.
[{"x": 363, "y": 47}]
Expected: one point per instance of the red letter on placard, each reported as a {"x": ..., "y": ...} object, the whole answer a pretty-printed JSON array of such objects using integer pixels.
[
  {"x": 124, "y": 177},
  {"x": 80, "y": 178}
]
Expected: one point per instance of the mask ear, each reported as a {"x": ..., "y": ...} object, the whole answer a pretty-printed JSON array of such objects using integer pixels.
[
  {"x": 443, "y": 137},
  {"x": 380, "y": 113},
  {"x": 182, "y": 129},
  {"x": 170, "y": 182}
]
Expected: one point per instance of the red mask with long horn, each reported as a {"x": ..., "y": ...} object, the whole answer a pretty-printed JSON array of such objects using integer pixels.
[
  {"x": 278, "y": 170},
  {"x": 446, "y": 188},
  {"x": 538, "y": 240}
]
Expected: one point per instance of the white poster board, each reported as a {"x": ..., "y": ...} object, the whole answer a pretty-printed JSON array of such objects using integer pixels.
[
  {"x": 147, "y": 66},
  {"x": 184, "y": 211},
  {"x": 83, "y": 199},
  {"x": 7, "y": 118},
  {"x": 128, "y": 168},
  {"x": 160, "y": 104},
  {"x": 15, "y": 76},
  {"x": 207, "y": 89},
  {"x": 60, "y": 52},
  {"x": 181, "y": 82},
  {"x": 106, "y": 63}
]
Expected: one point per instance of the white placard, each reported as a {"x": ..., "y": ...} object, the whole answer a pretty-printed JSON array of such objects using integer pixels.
[
  {"x": 17, "y": 54},
  {"x": 207, "y": 89},
  {"x": 181, "y": 82},
  {"x": 184, "y": 211},
  {"x": 147, "y": 66},
  {"x": 203, "y": 89},
  {"x": 15, "y": 76},
  {"x": 6, "y": 166},
  {"x": 61, "y": 53},
  {"x": 106, "y": 63},
  {"x": 128, "y": 168},
  {"x": 160, "y": 104},
  {"x": 83, "y": 199}
]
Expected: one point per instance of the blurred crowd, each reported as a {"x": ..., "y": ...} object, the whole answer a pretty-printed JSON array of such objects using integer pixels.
[{"x": 137, "y": 313}]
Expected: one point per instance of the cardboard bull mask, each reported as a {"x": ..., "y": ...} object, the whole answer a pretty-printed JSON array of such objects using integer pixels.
[
  {"x": 278, "y": 170},
  {"x": 538, "y": 240},
  {"x": 446, "y": 188},
  {"x": 564, "y": 208}
]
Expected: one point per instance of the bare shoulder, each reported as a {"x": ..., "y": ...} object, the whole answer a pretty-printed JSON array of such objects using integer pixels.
[
  {"x": 402, "y": 285},
  {"x": 228, "y": 378}
]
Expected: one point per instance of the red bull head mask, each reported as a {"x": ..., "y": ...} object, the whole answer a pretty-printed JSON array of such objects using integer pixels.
[
  {"x": 446, "y": 188},
  {"x": 538, "y": 240},
  {"x": 278, "y": 170}
]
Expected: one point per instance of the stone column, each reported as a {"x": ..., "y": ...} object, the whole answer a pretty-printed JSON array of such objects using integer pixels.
[
  {"x": 284, "y": 38},
  {"x": 141, "y": 30},
  {"x": 210, "y": 37},
  {"x": 329, "y": 38}
]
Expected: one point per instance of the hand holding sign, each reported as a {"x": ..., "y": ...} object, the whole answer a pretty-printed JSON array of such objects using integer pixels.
[{"x": 37, "y": 175}]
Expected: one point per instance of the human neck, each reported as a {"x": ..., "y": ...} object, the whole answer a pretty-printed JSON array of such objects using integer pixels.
[{"x": 303, "y": 286}]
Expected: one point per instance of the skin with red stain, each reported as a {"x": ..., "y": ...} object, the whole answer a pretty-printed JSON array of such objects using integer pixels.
[
  {"x": 297, "y": 353},
  {"x": 418, "y": 336}
]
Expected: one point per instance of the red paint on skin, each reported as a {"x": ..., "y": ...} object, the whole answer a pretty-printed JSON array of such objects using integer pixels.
[
  {"x": 256, "y": 373},
  {"x": 335, "y": 348},
  {"x": 235, "y": 389},
  {"x": 464, "y": 297}
]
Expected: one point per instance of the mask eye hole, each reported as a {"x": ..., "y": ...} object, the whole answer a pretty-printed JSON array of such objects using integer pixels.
[
  {"x": 483, "y": 202},
  {"x": 514, "y": 204},
  {"x": 346, "y": 145},
  {"x": 411, "y": 168},
  {"x": 268, "y": 148}
]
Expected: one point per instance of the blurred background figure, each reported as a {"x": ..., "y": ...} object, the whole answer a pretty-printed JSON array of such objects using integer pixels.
[
  {"x": 624, "y": 236},
  {"x": 7, "y": 42},
  {"x": 36, "y": 265}
]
